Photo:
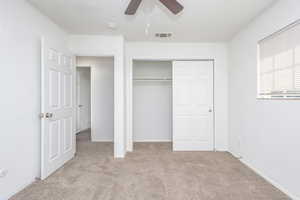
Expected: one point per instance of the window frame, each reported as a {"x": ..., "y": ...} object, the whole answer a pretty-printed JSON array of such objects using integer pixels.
[{"x": 275, "y": 95}]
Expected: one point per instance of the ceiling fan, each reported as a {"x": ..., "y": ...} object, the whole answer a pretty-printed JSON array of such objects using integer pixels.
[{"x": 173, "y": 5}]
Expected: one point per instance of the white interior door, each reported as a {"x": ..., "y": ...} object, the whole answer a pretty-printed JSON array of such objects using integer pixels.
[
  {"x": 193, "y": 117},
  {"x": 58, "y": 109}
]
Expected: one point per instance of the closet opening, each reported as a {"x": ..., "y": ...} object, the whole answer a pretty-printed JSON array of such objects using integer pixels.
[
  {"x": 95, "y": 101},
  {"x": 173, "y": 102},
  {"x": 152, "y": 102}
]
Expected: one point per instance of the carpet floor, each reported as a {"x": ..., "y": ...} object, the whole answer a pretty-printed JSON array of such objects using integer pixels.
[{"x": 151, "y": 172}]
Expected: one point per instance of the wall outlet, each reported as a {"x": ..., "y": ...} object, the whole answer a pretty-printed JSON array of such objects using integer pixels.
[{"x": 3, "y": 173}]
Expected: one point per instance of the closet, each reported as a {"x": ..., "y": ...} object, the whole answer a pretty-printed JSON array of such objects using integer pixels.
[
  {"x": 173, "y": 101},
  {"x": 152, "y": 101}
]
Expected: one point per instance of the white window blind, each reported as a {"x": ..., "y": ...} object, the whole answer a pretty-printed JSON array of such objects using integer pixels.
[{"x": 279, "y": 64}]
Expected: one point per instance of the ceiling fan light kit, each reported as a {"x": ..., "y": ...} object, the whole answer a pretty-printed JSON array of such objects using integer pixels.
[{"x": 173, "y": 5}]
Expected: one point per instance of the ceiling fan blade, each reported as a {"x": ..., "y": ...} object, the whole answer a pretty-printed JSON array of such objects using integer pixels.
[
  {"x": 132, "y": 7},
  {"x": 173, "y": 5}
]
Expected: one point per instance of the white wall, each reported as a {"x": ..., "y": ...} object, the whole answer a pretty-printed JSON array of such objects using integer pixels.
[
  {"x": 103, "y": 96},
  {"x": 83, "y": 98},
  {"x": 170, "y": 51},
  {"x": 21, "y": 28},
  {"x": 265, "y": 133},
  {"x": 152, "y": 102},
  {"x": 95, "y": 45}
]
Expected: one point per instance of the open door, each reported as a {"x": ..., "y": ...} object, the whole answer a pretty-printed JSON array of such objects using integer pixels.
[
  {"x": 58, "y": 107},
  {"x": 193, "y": 118}
]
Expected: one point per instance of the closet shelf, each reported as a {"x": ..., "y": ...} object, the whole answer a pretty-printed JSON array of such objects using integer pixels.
[{"x": 152, "y": 79}]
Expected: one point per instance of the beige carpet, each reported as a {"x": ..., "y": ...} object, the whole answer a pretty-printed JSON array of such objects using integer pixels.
[{"x": 151, "y": 172}]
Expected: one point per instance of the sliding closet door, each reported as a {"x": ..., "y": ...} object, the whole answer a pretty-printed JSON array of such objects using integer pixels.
[{"x": 193, "y": 118}]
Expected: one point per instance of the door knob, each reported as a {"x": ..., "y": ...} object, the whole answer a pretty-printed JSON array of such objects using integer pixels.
[
  {"x": 80, "y": 106},
  {"x": 49, "y": 115},
  {"x": 210, "y": 110}
]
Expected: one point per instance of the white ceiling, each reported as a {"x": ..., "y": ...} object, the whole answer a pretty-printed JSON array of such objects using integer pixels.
[{"x": 201, "y": 20}]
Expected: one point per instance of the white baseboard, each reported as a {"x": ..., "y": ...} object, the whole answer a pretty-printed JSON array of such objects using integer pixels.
[
  {"x": 79, "y": 131},
  {"x": 236, "y": 155},
  {"x": 271, "y": 181},
  {"x": 19, "y": 189},
  {"x": 221, "y": 150}
]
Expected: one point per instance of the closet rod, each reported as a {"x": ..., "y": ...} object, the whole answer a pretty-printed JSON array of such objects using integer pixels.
[{"x": 152, "y": 79}]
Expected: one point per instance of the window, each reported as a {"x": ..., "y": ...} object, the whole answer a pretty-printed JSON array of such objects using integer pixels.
[{"x": 279, "y": 64}]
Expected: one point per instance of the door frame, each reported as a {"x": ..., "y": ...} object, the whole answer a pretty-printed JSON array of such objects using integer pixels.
[
  {"x": 129, "y": 95},
  {"x": 117, "y": 137},
  {"x": 92, "y": 68},
  {"x": 92, "y": 83}
]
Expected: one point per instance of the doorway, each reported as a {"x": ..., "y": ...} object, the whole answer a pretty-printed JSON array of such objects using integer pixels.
[
  {"x": 59, "y": 107},
  {"x": 95, "y": 98},
  {"x": 83, "y": 88}
]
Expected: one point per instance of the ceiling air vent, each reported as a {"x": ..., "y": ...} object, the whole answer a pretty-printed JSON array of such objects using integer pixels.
[{"x": 163, "y": 35}]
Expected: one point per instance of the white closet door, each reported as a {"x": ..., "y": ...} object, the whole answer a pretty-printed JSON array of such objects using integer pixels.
[{"x": 193, "y": 117}]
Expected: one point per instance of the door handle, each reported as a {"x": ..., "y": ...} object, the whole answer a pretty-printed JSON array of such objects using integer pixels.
[
  {"x": 80, "y": 106},
  {"x": 49, "y": 115},
  {"x": 210, "y": 110}
]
